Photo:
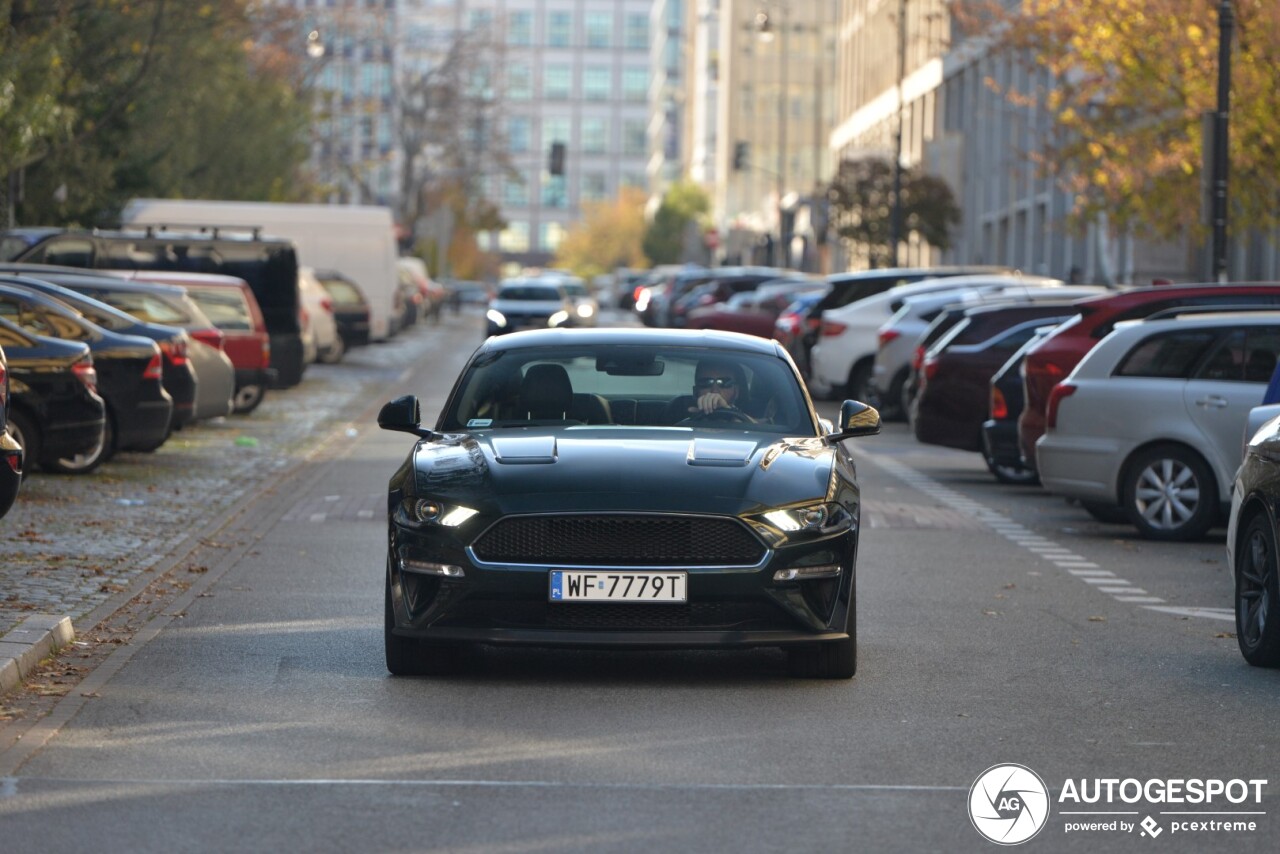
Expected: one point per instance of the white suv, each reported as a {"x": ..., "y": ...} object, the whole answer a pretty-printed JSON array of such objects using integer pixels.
[
  {"x": 843, "y": 357},
  {"x": 1150, "y": 421}
]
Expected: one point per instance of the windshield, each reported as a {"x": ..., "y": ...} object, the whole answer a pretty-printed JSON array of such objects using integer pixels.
[{"x": 616, "y": 385}]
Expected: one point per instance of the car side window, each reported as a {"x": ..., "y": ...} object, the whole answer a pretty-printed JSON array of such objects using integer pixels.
[
  {"x": 1226, "y": 361},
  {"x": 69, "y": 253},
  {"x": 1171, "y": 355}
]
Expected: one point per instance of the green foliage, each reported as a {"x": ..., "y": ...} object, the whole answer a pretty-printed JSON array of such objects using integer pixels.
[
  {"x": 144, "y": 98},
  {"x": 861, "y": 197},
  {"x": 683, "y": 204}
]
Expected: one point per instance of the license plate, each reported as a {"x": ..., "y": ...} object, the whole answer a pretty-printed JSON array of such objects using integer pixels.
[{"x": 660, "y": 587}]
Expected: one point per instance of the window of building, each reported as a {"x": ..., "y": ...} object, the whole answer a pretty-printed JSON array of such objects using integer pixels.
[
  {"x": 519, "y": 82},
  {"x": 634, "y": 137},
  {"x": 557, "y": 82},
  {"x": 555, "y": 129},
  {"x": 559, "y": 29},
  {"x": 519, "y": 134},
  {"x": 599, "y": 26},
  {"x": 515, "y": 193},
  {"x": 594, "y": 135},
  {"x": 596, "y": 81},
  {"x": 594, "y": 187},
  {"x": 520, "y": 28},
  {"x": 481, "y": 19},
  {"x": 636, "y": 34},
  {"x": 635, "y": 84},
  {"x": 554, "y": 191},
  {"x": 549, "y": 236}
]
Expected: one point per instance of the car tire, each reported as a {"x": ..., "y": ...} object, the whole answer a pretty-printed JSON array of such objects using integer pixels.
[
  {"x": 1170, "y": 493},
  {"x": 89, "y": 460},
  {"x": 333, "y": 355},
  {"x": 248, "y": 397},
  {"x": 24, "y": 432},
  {"x": 859, "y": 385},
  {"x": 894, "y": 403},
  {"x": 1110, "y": 514},
  {"x": 411, "y": 656},
  {"x": 1258, "y": 594},
  {"x": 1015, "y": 475}
]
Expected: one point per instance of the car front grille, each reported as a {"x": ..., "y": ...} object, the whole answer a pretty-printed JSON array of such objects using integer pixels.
[{"x": 620, "y": 540}]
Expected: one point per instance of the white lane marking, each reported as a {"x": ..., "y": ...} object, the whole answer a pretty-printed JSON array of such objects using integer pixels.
[{"x": 1076, "y": 565}]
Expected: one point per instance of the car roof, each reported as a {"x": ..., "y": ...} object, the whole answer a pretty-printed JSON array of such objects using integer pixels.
[
  {"x": 183, "y": 278},
  {"x": 1129, "y": 296},
  {"x": 646, "y": 336},
  {"x": 1195, "y": 321}
]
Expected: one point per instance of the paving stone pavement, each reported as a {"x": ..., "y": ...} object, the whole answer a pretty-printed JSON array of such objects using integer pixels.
[{"x": 71, "y": 542}]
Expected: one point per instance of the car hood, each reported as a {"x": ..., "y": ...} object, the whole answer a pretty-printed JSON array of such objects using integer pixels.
[{"x": 620, "y": 468}]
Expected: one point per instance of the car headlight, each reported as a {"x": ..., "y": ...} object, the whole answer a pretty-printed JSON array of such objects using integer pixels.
[
  {"x": 559, "y": 318},
  {"x": 496, "y": 317},
  {"x": 427, "y": 511},
  {"x": 585, "y": 310},
  {"x": 820, "y": 518}
]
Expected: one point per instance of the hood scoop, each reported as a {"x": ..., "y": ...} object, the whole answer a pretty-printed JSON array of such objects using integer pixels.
[
  {"x": 724, "y": 453},
  {"x": 524, "y": 450}
]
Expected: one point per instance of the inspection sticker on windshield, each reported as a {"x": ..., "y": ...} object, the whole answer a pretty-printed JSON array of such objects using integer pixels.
[{"x": 606, "y": 586}]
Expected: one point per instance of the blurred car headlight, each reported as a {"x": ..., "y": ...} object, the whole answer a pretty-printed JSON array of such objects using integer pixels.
[
  {"x": 496, "y": 317},
  {"x": 585, "y": 310},
  {"x": 558, "y": 319}
]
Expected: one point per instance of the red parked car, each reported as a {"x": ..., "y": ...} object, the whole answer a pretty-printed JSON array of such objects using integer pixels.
[
  {"x": 753, "y": 312},
  {"x": 1054, "y": 357},
  {"x": 229, "y": 302}
]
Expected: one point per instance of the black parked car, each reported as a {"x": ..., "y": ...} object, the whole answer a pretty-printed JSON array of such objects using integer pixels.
[
  {"x": 268, "y": 264},
  {"x": 55, "y": 412},
  {"x": 1253, "y": 547},
  {"x": 1000, "y": 447},
  {"x": 10, "y": 450},
  {"x": 350, "y": 307},
  {"x": 554, "y": 504},
  {"x": 128, "y": 370},
  {"x": 178, "y": 374}
]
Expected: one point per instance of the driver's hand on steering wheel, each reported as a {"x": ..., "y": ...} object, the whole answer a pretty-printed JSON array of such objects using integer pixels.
[{"x": 710, "y": 402}]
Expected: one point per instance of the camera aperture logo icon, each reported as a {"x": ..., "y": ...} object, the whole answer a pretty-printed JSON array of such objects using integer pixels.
[{"x": 1008, "y": 804}]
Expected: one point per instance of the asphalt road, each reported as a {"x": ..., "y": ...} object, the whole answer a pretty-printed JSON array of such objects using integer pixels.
[{"x": 990, "y": 632}]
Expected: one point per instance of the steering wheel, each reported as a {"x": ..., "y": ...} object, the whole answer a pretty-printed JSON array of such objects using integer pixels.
[{"x": 727, "y": 416}]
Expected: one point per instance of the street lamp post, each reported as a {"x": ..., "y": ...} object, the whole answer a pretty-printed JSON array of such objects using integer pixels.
[
  {"x": 1221, "y": 156},
  {"x": 765, "y": 26},
  {"x": 895, "y": 222}
]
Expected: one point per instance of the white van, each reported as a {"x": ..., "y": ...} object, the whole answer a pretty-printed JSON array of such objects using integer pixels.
[{"x": 357, "y": 240}]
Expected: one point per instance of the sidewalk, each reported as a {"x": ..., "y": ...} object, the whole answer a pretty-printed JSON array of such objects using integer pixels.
[{"x": 74, "y": 549}]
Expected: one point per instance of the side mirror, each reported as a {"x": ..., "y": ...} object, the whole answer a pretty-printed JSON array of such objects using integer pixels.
[
  {"x": 402, "y": 415},
  {"x": 856, "y": 419}
]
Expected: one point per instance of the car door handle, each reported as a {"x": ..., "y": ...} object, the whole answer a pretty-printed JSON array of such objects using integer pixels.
[{"x": 1212, "y": 402}]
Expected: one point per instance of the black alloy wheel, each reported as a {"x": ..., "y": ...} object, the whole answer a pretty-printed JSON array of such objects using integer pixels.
[
  {"x": 87, "y": 461},
  {"x": 1170, "y": 494},
  {"x": 1257, "y": 594},
  {"x": 248, "y": 397},
  {"x": 412, "y": 656}
]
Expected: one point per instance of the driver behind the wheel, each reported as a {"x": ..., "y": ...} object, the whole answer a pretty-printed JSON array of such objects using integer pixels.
[{"x": 717, "y": 385}]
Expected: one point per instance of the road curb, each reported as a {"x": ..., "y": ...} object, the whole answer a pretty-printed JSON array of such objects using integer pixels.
[{"x": 36, "y": 638}]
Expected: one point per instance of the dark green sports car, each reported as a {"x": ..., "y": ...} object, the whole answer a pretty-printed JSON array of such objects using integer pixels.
[{"x": 625, "y": 488}]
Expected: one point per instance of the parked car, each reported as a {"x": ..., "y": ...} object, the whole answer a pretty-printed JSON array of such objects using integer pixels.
[
  {"x": 529, "y": 303},
  {"x": 725, "y": 536},
  {"x": 844, "y": 355},
  {"x": 128, "y": 370},
  {"x": 10, "y": 450},
  {"x": 1000, "y": 431},
  {"x": 1150, "y": 419},
  {"x": 55, "y": 412},
  {"x": 268, "y": 264},
  {"x": 350, "y": 308},
  {"x": 230, "y": 305},
  {"x": 794, "y": 324},
  {"x": 177, "y": 374},
  {"x": 719, "y": 284},
  {"x": 1055, "y": 356},
  {"x": 846, "y": 288},
  {"x": 893, "y": 374},
  {"x": 150, "y": 300},
  {"x": 434, "y": 294},
  {"x": 409, "y": 304},
  {"x": 955, "y": 385},
  {"x": 753, "y": 312},
  {"x": 322, "y": 322},
  {"x": 1253, "y": 547}
]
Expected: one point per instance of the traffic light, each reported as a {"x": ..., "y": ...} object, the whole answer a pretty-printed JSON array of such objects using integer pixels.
[
  {"x": 741, "y": 154},
  {"x": 555, "y": 162}
]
